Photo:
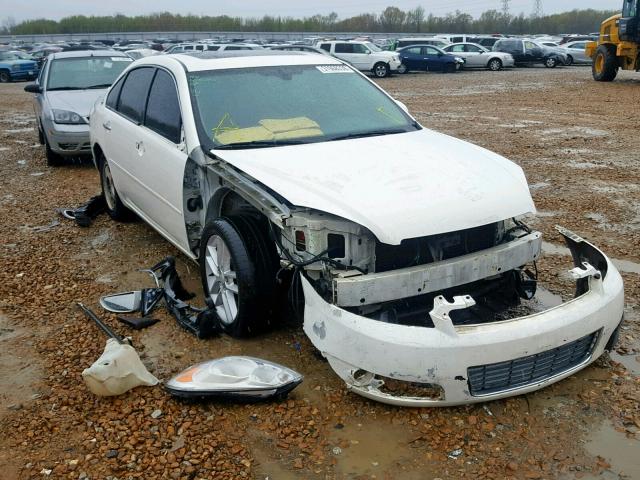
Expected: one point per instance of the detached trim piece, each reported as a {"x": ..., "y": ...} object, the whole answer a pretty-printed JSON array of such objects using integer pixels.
[{"x": 432, "y": 277}]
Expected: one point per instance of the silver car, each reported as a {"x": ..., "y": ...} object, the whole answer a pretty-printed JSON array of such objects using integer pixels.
[
  {"x": 68, "y": 85},
  {"x": 575, "y": 52},
  {"x": 476, "y": 56}
]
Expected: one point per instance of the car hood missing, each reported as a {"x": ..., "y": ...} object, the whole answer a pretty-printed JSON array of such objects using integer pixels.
[{"x": 398, "y": 186}]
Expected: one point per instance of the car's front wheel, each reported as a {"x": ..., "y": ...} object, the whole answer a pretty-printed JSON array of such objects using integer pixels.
[
  {"x": 115, "y": 208},
  {"x": 495, "y": 64},
  {"x": 5, "y": 77},
  {"x": 550, "y": 62},
  {"x": 238, "y": 271},
  {"x": 53, "y": 159},
  {"x": 381, "y": 70}
]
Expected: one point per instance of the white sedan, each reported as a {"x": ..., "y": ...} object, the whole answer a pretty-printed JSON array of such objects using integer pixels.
[
  {"x": 476, "y": 56},
  {"x": 402, "y": 249}
]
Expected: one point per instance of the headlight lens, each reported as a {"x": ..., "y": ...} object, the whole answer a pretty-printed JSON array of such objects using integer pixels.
[{"x": 68, "y": 118}]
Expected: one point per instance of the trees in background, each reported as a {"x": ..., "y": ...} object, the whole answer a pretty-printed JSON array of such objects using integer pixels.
[{"x": 390, "y": 20}]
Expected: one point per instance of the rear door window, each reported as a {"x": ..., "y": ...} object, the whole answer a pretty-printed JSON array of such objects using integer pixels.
[
  {"x": 133, "y": 95},
  {"x": 326, "y": 47},
  {"x": 344, "y": 48},
  {"x": 163, "y": 108}
]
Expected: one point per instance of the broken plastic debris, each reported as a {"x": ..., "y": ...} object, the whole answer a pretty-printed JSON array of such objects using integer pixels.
[
  {"x": 455, "y": 453},
  {"x": 117, "y": 371}
]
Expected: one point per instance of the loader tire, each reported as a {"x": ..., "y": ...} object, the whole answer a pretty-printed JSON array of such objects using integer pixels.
[{"x": 605, "y": 66}]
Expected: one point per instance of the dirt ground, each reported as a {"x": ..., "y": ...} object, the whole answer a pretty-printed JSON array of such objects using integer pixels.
[{"x": 578, "y": 143}]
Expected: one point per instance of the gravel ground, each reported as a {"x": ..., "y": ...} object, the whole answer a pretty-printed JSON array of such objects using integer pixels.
[{"x": 577, "y": 142}]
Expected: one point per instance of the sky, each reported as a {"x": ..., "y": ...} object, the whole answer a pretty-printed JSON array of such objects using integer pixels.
[{"x": 56, "y": 9}]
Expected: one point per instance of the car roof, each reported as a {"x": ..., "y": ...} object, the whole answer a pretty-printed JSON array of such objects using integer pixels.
[
  {"x": 198, "y": 62},
  {"x": 87, "y": 53}
]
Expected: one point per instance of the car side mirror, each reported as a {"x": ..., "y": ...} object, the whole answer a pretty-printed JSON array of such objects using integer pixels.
[{"x": 32, "y": 88}]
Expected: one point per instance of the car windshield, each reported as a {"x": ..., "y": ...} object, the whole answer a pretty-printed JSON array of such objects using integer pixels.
[
  {"x": 9, "y": 56},
  {"x": 85, "y": 72},
  {"x": 270, "y": 106}
]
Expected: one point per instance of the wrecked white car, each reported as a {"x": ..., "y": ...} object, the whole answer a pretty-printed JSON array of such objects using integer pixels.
[{"x": 292, "y": 177}]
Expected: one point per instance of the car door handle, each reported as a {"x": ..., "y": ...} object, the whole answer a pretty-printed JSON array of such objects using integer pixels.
[
  {"x": 107, "y": 126},
  {"x": 140, "y": 148}
]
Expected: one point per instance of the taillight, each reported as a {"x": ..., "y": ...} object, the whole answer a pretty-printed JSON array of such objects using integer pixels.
[{"x": 301, "y": 241}]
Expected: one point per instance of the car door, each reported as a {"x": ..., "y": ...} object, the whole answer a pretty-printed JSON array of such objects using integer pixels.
[
  {"x": 474, "y": 56},
  {"x": 433, "y": 59},
  {"x": 161, "y": 158},
  {"x": 124, "y": 114},
  {"x": 412, "y": 57},
  {"x": 533, "y": 53},
  {"x": 354, "y": 53},
  {"x": 459, "y": 51},
  {"x": 39, "y": 98},
  {"x": 577, "y": 51}
]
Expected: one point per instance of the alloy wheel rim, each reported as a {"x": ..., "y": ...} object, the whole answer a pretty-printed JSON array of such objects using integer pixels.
[
  {"x": 381, "y": 71},
  {"x": 109, "y": 187},
  {"x": 495, "y": 65},
  {"x": 221, "y": 279}
]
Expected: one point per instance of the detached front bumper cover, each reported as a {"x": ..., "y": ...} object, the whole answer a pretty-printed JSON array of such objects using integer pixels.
[{"x": 472, "y": 363}]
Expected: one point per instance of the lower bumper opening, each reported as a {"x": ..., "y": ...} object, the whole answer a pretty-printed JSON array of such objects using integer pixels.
[{"x": 524, "y": 371}]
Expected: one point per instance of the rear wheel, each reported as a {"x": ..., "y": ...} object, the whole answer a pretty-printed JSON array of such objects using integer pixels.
[
  {"x": 494, "y": 64},
  {"x": 605, "y": 67},
  {"x": 115, "y": 207},
  {"x": 402, "y": 69},
  {"x": 569, "y": 60},
  {"x": 381, "y": 70},
  {"x": 5, "y": 77}
]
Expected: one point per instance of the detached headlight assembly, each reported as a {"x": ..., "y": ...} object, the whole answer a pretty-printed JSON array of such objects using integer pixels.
[{"x": 67, "y": 118}]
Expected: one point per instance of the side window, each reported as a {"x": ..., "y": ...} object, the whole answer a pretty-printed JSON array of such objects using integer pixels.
[
  {"x": 457, "y": 48},
  {"x": 344, "y": 48},
  {"x": 529, "y": 45},
  {"x": 472, "y": 48},
  {"x": 41, "y": 74},
  {"x": 429, "y": 51},
  {"x": 114, "y": 93},
  {"x": 326, "y": 46},
  {"x": 200, "y": 48},
  {"x": 163, "y": 109},
  {"x": 413, "y": 50},
  {"x": 133, "y": 95},
  {"x": 359, "y": 48},
  {"x": 213, "y": 47},
  {"x": 457, "y": 39},
  {"x": 188, "y": 47},
  {"x": 579, "y": 46}
]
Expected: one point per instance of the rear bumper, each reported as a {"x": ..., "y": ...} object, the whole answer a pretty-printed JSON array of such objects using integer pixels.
[{"x": 360, "y": 350}]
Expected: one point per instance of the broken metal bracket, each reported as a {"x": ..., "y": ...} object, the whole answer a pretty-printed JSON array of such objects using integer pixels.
[
  {"x": 441, "y": 309},
  {"x": 591, "y": 273}
]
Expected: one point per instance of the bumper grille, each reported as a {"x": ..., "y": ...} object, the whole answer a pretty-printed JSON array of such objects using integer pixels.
[{"x": 523, "y": 371}]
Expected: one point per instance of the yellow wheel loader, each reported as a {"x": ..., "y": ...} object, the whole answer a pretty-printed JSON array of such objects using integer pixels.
[{"x": 618, "y": 45}]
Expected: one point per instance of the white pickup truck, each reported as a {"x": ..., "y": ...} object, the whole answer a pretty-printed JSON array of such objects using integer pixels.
[{"x": 365, "y": 56}]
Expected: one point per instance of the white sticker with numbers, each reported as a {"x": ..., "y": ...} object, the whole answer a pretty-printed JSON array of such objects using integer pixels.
[{"x": 334, "y": 69}]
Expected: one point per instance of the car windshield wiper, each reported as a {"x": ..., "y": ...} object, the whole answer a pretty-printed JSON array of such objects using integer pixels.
[
  {"x": 102, "y": 85},
  {"x": 259, "y": 144},
  {"x": 64, "y": 88},
  {"x": 369, "y": 133}
]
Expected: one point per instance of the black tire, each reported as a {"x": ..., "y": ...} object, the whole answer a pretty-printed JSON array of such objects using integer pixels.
[
  {"x": 569, "y": 60},
  {"x": 53, "y": 159},
  {"x": 402, "y": 69},
  {"x": 40, "y": 134},
  {"x": 550, "y": 62},
  {"x": 5, "y": 76},
  {"x": 381, "y": 70},
  {"x": 495, "y": 64},
  {"x": 114, "y": 206},
  {"x": 605, "y": 66},
  {"x": 251, "y": 276},
  {"x": 449, "y": 68}
]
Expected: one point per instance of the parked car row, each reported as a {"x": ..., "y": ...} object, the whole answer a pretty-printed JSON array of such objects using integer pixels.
[{"x": 327, "y": 200}]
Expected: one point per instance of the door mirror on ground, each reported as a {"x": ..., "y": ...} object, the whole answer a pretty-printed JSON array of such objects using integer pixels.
[
  {"x": 126, "y": 302},
  {"x": 32, "y": 88}
]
